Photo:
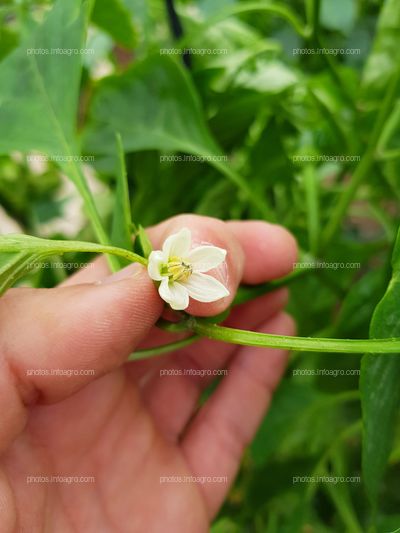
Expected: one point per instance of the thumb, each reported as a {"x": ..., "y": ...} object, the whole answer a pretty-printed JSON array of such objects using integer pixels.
[{"x": 55, "y": 341}]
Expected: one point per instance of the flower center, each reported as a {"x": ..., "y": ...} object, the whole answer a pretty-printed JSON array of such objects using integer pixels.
[{"x": 177, "y": 269}]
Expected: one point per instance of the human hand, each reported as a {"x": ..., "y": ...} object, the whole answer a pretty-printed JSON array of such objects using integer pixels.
[{"x": 126, "y": 425}]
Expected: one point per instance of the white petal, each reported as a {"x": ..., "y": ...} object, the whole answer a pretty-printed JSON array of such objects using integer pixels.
[
  {"x": 205, "y": 288},
  {"x": 154, "y": 267},
  {"x": 175, "y": 294},
  {"x": 178, "y": 244},
  {"x": 204, "y": 258}
]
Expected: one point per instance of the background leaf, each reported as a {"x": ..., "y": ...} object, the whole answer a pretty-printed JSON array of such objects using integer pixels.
[
  {"x": 385, "y": 56},
  {"x": 142, "y": 105},
  {"x": 39, "y": 90},
  {"x": 257, "y": 96},
  {"x": 338, "y": 14},
  {"x": 380, "y": 378},
  {"x": 113, "y": 17}
]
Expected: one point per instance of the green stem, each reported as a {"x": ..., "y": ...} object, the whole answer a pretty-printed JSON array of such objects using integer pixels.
[
  {"x": 246, "y": 293},
  {"x": 173, "y": 327},
  {"x": 333, "y": 70},
  {"x": 47, "y": 247},
  {"x": 365, "y": 164},
  {"x": 313, "y": 10},
  {"x": 307, "y": 344},
  {"x": 93, "y": 214},
  {"x": 388, "y": 155},
  {"x": 258, "y": 202},
  {"x": 312, "y": 203},
  {"x": 351, "y": 430},
  {"x": 161, "y": 350},
  {"x": 341, "y": 499}
]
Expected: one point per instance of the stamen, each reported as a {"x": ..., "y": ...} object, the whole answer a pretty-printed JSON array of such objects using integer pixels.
[{"x": 178, "y": 270}]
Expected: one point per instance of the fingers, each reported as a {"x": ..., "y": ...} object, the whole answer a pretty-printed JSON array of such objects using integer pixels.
[
  {"x": 180, "y": 392},
  {"x": 257, "y": 252},
  {"x": 177, "y": 382},
  {"x": 55, "y": 341},
  {"x": 207, "y": 231},
  {"x": 274, "y": 244},
  {"x": 229, "y": 420},
  {"x": 97, "y": 270}
]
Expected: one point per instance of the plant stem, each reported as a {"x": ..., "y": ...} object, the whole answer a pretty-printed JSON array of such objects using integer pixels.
[
  {"x": 350, "y": 431},
  {"x": 161, "y": 350},
  {"x": 246, "y": 293},
  {"x": 307, "y": 344},
  {"x": 258, "y": 202},
  {"x": 365, "y": 164},
  {"x": 47, "y": 247},
  {"x": 313, "y": 10},
  {"x": 92, "y": 213},
  {"x": 312, "y": 203},
  {"x": 340, "y": 494}
]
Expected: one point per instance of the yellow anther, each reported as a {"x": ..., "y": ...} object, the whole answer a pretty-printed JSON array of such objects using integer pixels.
[{"x": 178, "y": 270}]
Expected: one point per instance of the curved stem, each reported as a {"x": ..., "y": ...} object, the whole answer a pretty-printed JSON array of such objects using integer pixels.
[
  {"x": 350, "y": 431},
  {"x": 248, "y": 292},
  {"x": 161, "y": 350},
  {"x": 307, "y": 344},
  {"x": 48, "y": 247},
  {"x": 92, "y": 213},
  {"x": 313, "y": 8}
]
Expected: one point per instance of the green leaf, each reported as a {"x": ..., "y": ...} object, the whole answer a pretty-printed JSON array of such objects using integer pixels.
[
  {"x": 359, "y": 303},
  {"x": 276, "y": 9},
  {"x": 113, "y": 17},
  {"x": 143, "y": 105},
  {"x": 293, "y": 414},
  {"x": 379, "y": 385},
  {"x": 122, "y": 219},
  {"x": 154, "y": 106},
  {"x": 39, "y": 91},
  {"x": 270, "y": 77},
  {"x": 385, "y": 56},
  {"x": 19, "y": 254},
  {"x": 338, "y": 15},
  {"x": 8, "y": 41}
]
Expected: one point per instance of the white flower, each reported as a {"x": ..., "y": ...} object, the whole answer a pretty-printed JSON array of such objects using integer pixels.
[{"x": 181, "y": 271}]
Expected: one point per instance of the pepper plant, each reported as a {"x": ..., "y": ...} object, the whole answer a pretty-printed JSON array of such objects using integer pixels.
[{"x": 269, "y": 128}]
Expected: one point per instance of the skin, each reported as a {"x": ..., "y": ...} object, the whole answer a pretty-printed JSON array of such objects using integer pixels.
[{"x": 127, "y": 425}]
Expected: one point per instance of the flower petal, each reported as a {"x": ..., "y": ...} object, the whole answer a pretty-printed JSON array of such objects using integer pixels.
[
  {"x": 178, "y": 244},
  {"x": 175, "y": 294},
  {"x": 156, "y": 259},
  {"x": 205, "y": 288},
  {"x": 204, "y": 258}
]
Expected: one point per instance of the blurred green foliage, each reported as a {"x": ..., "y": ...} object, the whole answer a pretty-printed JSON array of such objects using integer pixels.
[{"x": 309, "y": 140}]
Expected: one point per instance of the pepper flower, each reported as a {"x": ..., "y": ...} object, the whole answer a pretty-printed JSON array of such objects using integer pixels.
[{"x": 180, "y": 269}]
